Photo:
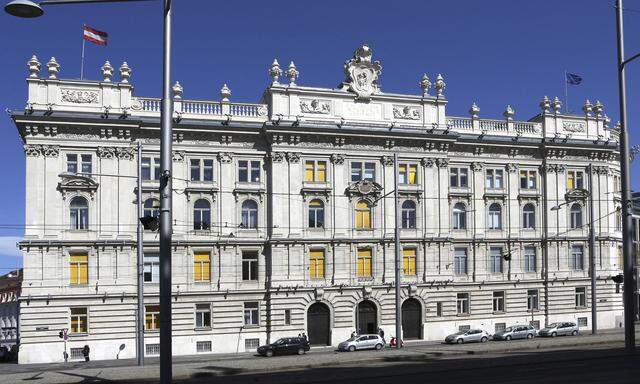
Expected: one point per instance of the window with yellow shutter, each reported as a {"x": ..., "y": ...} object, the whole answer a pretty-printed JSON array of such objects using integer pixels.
[
  {"x": 364, "y": 264},
  {"x": 409, "y": 261},
  {"x": 315, "y": 171},
  {"x": 363, "y": 215},
  {"x": 202, "y": 266},
  {"x": 151, "y": 317},
  {"x": 316, "y": 264},
  {"x": 79, "y": 320},
  {"x": 79, "y": 269},
  {"x": 407, "y": 173}
]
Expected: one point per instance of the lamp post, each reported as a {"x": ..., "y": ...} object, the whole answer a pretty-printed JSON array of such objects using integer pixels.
[
  {"x": 627, "y": 246},
  {"x": 30, "y": 9}
]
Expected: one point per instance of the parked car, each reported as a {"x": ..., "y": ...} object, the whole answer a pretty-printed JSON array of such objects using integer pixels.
[
  {"x": 516, "y": 332},
  {"x": 285, "y": 346},
  {"x": 362, "y": 342},
  {"x": 559, "y": 329},
  {"x": 472, "y": 335}
]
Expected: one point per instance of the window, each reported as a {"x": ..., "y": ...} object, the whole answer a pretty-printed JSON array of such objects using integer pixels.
[
  {"x": 495, "y": 254},
  {"x": 575, "y": 179},
  {"x": 79, "y": 213},
  {"x": 582, "y": 321},
  {"x": 495, "y": 216},
  {"x": 152, "y": 268},
  {"x": 79, "y": 269},
  {"x": 407, "y": 173},
  {"x": 152, "y": 349},
  {"x": 250, "y": 266},
  {"x": 316, "y": 264},
  {"x": 315, "y": 171},
  {"x": 363, "y": 215},
  {"x": 409, "y": 261},
  {"x": 74, "y": 167},
  {"x": 287, "y": 317},
  {"x": 151, "y": 317},
  {"x": 203, "y": 346},
  {"x": 494, "y": 179},
  {"x": 532, "y": 300},
  {"x": 460, "y": 261},
  {"x": 316, "y": 214},
  {"x": 249, "y": 217},
  {"x": 462, "y": 303},
  {"x": 528, "y": 179},
  {"x": 364, "y": 267},
  {"x": 363, "y": 171},
  {"x": 201, "y": 215},
  {"x": 248, "y": 171},
  {"x": 459, "y": 216},
  {"x": 530, "y": 259},
  {"x": 408, "y": 214},
  {"x": 576, "y": 216},
  {"x": 498, "y": 301},
  {"x": 581, "y": 297},
  {"x": 617, "y": 184},
  {"x": 76, "y": 354},
  {"x": 203, "y": 316},
  {"x": 202, "y": 266},
  {"x": 499, "y": 327},
  {"x": 529, "y": 216},
  {"x": 251, "y": 313},
  {"x": 79, "y": 320},
  {"x": 439, "y": 308},
  {"x": 576, "y": 260},
  {"x": 250, "y": 344},
  {"x": 459, "y": 177},
  {"x": 151, "y": 208},
  {"x": 201, "y": 169},
  {"x": 150, "y": 168},
  {"x": 464, "y": 328},
  {"x": 618, "y": 216}
]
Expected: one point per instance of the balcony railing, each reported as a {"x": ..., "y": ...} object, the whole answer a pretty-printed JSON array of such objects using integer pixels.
[{"x": 208, "y": 108}]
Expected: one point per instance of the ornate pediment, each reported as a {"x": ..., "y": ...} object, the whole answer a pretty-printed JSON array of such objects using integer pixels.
[
  {"x": 362, "y": 74},
  {"x": 364, "y": 188},
  {"x": 77, "y": 183}
]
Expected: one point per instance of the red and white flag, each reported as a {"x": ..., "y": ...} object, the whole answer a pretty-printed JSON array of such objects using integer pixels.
[{"x": 94, "y": 36}]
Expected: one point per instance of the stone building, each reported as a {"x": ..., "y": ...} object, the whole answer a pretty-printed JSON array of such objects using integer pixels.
[
  {"x": 10, "y": 286},
  {"x": 284, "y": 216}
]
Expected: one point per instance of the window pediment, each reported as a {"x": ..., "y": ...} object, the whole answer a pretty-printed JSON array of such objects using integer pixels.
[
  {"x": 77, "y": 183},
  {"x": 364, "y": 188}
]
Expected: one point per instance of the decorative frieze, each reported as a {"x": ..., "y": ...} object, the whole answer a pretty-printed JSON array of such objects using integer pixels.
[
  {"x": 315, "y": 106},
  {"x": 406, "y": 112},
  {"x": 573, "y": 126},
  {"x": 78, "y": 96}
]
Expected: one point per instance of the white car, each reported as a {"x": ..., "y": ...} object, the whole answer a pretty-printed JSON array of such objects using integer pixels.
[{"x": 362, "y": 342}]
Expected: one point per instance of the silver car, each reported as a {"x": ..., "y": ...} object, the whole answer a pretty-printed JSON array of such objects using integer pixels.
[
  {"x": 362, "y": 342},
  {"x": 470, "y": 336},
  {"x": 516, "y": 332},
  {"x": 559, "y": 329}
]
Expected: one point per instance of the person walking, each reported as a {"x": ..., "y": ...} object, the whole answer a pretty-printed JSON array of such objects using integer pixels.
[
  {"x": 353, "y": 334},
  {"x": 304, "y": 336},
  {"x": 381, "y": 333}
]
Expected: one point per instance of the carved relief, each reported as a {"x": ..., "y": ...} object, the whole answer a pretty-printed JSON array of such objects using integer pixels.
[
  {"x": 277, "y": 157},
  {"x": 315, "y": 106},
  {"x": 362, "y": 73},
  {"x": 293, "y": 157},
  {"x": 477, "y": 166},
  {"x": 50, "y": 150},
  {"x": 427, "y": 162},
  {"x": 387, "y": 161},
  {"x": 125, "y": 153},
  {"x": 337, "y": 158},
  {"x": 106, "y": 152},
  {"x": 512, "y": 168},
  {"x": 79, "y": 97},
  {"x": 442, "y": 163},
  {"x": 573, "y": 126},
  {"x": 225, "y": 157},
  {"x": 406, "y": 112},
  {"x": 178, "y": 156},
  {"x": 32, "y": 150}
]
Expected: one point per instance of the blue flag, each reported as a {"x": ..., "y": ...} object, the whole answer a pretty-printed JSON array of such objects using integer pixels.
[{"x": 573, "y": 79}]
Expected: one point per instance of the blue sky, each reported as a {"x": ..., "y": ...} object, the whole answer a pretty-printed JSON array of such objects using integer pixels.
[{"x": 492, "y": 52}]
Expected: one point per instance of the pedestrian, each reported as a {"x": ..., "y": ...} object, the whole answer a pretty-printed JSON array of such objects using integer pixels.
[
  {"x": 304, "y": 336},
  {"x": 353, "y": 334},
  {"x": 85, "y": 352},
  {"x": 381, "y": 333},
  {"x": 299, "y": 335}
]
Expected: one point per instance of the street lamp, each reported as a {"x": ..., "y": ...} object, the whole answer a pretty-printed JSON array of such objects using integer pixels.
[{"x": 30, "y": 9}]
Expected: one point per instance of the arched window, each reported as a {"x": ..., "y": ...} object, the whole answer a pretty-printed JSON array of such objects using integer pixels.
[
  {"x": 316, "y": 214},
  {"x": 363, "y": 215},
  {"x": 201, "y": 214},
  {"x": 79, "y": 213},
  {"x": 459, "y": 216},
  {"x": 495, "y": 216},
  {"x": 249, "y": 214},
  {"x": 529, "y": 216},
  {"x": 576, "y": 216},
  {"x": 151, "y": 208},
  {"x": 408, "y": 214}
]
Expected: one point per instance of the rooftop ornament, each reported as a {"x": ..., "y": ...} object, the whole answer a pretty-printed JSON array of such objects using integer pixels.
[
  {"x": 440, "y": 85},
  {"x": 125, "y": 72},
  {"x": 53, "y": 68},
  {"x": 225, "y": 93},
  {"x": 425, "y": 84},
  {"x": 107, "y": 71},
  {"x": 545, "y": 104},
  {"x": 292, "y": 74},
  {"x": 275, "y": 72},
  {"x": 587, "y": 108},
  {"x": 474, "y": 111},
  {"x": 508, "y": 113},
  {"x": 362, "y": 74},
  {"x": 597, "y": 108},
  {"x": 177, "y": 91},
  {"x": 34, "y": 67},
  {"x": 557, "y": 105}
]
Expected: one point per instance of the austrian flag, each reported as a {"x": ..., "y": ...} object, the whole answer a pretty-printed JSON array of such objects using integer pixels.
[{"x": 94, "y": 36}]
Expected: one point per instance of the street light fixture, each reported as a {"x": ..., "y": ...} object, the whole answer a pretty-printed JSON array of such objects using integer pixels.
[{"x": 30, "y": 9}]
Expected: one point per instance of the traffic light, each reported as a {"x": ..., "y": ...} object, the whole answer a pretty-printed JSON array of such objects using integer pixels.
[{"x": 150, "y": 223}]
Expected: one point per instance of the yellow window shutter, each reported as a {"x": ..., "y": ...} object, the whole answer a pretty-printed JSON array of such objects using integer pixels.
[
  {"x": 308, "y": 170},
  {"x": 413, "y": 171},
  {"x": 202, "y": 266},
  {"x": 322, "y": 171},
  {"x": 73, "y": 273}
]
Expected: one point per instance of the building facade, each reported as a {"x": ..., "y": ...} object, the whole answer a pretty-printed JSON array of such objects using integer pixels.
[
  {"x": 10, "y": 286},
  {"x": 284, "y": 214}
]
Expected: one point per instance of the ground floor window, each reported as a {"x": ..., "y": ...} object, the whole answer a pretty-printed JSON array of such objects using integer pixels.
[
  {"x": 498, "y": 301},
  {"x": 250, "y": 344},
  {"x": 581, "y": 297},
  {"x": 251, "y": 313},
  {"x": 532, "y": 300},
  {"x": 463, "y": 303},
  {"x": 582, "y": 321},
  {"x": 152, "y": 349},
  {"x": 203, "y": 346}
]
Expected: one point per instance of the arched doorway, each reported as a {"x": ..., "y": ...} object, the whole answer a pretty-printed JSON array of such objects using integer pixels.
[
  {"x": 318, "y": 324},
  {"x": 411, "y": 319},
  {"x": 367, "y": 317}
]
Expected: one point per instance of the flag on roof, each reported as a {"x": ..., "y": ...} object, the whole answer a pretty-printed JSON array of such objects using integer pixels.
[
  {"x": 573, "y": 79},
  {"x": 94, "y": 36}
]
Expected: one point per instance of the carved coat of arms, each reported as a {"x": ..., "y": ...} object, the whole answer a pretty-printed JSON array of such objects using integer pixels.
[{"x": 362, "y": 74}]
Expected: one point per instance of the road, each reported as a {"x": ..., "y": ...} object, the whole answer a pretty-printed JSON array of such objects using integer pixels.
[{"x": 584, "y": 359}]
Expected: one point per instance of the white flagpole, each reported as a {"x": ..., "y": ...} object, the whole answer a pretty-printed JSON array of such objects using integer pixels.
[
  {"x": 82, "y": 61},
  {"x": 566, "y": 94}
]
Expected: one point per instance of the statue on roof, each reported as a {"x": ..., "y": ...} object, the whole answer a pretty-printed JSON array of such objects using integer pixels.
[{"x": 362, "y": 74}]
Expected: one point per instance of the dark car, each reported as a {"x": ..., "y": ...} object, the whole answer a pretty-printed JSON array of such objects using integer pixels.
[{"x": 285, "y": 346}]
